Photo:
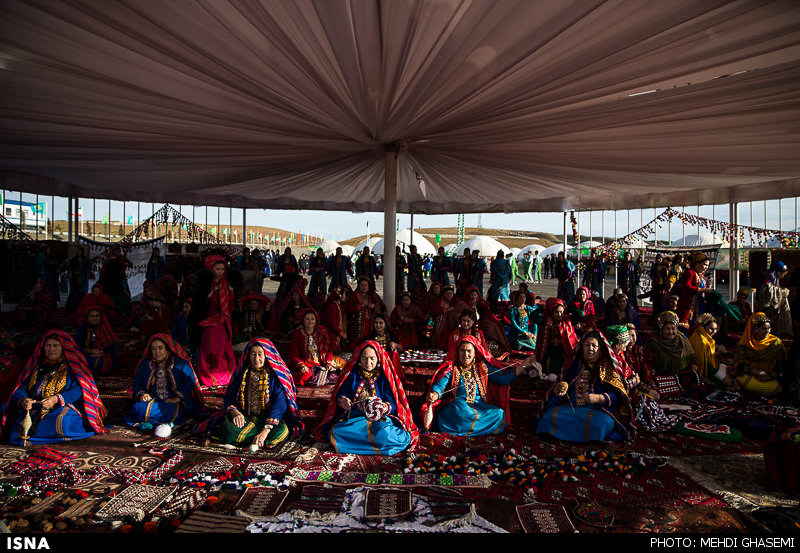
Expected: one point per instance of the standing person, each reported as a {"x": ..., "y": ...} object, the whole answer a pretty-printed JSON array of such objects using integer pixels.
[
  {"x": 156, "y": 266},
  {"x": 339, "y": 267},
  {"x": 628, "y": 279},
  {"x": 694, "y": 287},
  {"x": 416, "y": 282},
  {"x": 316, "y": 289},
  {"x": 527, "y": 267},
  {"x": 288, "y": 270},
  {"x": 595, "y": 273},
  {"x": 210, "y": 324},
  {"x": 515, "y": 274},
  {"x": 79, "y": 268},
  {"x": 400, "y": 271},
  {"x": 114, "y": 280},
  {"x": 464, "y": 271},
  {"x": 367, "y": 267},
  {"x": 478, "y": 270},
  {"x": 426, "y": 266},
  {"x": 659, "y": 276},
  {"x": 500, "y": 278},
  {"x": 537, "y": 263},
  {"x": 773, "y": 300},
  {"x": 564, "y": 271},
  {"x": 334, "y": 320},
  {"x": 441, "y": 265}
]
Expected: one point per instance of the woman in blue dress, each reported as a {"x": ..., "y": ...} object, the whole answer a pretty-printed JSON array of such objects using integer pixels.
[
  {"x": 260, "y": 404},
  {"x": 55, "y": 398},
  {"x": 500, "y": 277},
  {"x": 460, "y": 400},
  {"x": 368, "y": 413},
  {"x": 165, "y": 388},
  {"x": 522, "y": 332},
  {"x": 590, "y": 401}
]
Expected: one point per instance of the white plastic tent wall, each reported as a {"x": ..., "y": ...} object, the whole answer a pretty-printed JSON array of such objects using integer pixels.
[
  {"x": 486, "y": 245},
  {"x": 703, "y": 239},
  {"x": 328, "y": 246},
  {"x": 424, "y": 247}
]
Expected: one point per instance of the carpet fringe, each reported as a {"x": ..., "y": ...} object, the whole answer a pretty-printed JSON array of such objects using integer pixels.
[
  {"x": 461, "y": 522},
  {"x": 733, "y": 499}
]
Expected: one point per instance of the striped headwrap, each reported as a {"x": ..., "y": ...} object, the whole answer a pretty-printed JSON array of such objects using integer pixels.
[{"x": 94, "y": 409}]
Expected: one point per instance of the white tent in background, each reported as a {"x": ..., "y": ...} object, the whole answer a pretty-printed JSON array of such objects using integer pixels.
[
  {"x": 703, "y": 239},
  {"x": 637, "y": 245},
  {"x": 369, "y": 242},
  {"x": 591, "y": 244},
  {"x": 328, "y": 246},
  {"x": 530, "y": 248},
  {"x": 555, "y": 249},
  {"x": 424, "y": 247},
  {"x": 486, "y": 245},
  {"x": 347, "y": 250},
  {"x": 515, "y": 251}
]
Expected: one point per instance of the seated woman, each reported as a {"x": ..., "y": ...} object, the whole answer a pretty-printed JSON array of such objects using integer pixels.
[
  {"x": 406, "y": 318},
  {"x": 290, "y": 316},
  {"x": 493, "y": 329},
  {"x": 445, "y": 316},
  {"x": 97, "y": 342},
  {"x": 55, "y": 398},
  {"x": 311, "y": 358},
  {"x": 522, "y": 332},
  {"x": 459, "y": 401},
  {"x": 333, "y": 317},
  {"x": 466, "y": 327},
  {"x": 36, "y": 309},
  {"x": 255, "y": 320},
  {"x": 166, "y": 391},
  {"x": 590, "y": 401},
  {"x": 362, "y": 305},
  {"x": 385, "y": 336},
  {"x": 702, "y": 339},
  {"x": 621, "y": 312},
  {"x": 583, "y": 303},
  {"x": 260, "y": 405},
  {"x": 96, "y": 298},
  {"x": 557, "y": 339},
  {"x": 368, "y": 413},
  {"x": 670, "y": 354},
  {"x": 759, "y": 358}
]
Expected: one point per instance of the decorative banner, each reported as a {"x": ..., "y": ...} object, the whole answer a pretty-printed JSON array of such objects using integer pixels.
[
  {"x": 645, "y": 280},
  {"x": 138, "y": 254},
  {"x": 574, "y": 222}
]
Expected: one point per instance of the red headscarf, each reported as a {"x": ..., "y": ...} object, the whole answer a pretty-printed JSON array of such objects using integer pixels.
[
  {"x": 565, "y": 329},
  {"x": 403, "y": 409}
]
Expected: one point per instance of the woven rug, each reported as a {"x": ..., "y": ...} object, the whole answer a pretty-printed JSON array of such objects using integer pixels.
[
  {"x": 319, "y": 503},
  {"x": 314, "y": 392},
  {"x": 741, "y": 480},
  {"x": 592, "y": 513},
  {"x": 184, "y": 502},
  {"x": 212, "y": 523},
  {"x": 685, "y": 519},
  {"x": 382, "y": 503},
  {"x": 386, "y": 479},
  {"x": 545, "y": 518},
  {"x": 450, "y": 508},
  {"x": 260, "y": 503},
  {"x": 136, "y": 501}
]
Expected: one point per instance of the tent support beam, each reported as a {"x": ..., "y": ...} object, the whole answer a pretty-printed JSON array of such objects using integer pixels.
[
  {"x": 733, "y": 262},
  {"x": 389, "y": 230}
]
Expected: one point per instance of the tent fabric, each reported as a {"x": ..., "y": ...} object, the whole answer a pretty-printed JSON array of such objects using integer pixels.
[
  {"x": 403, "y": 239},
  {"x": 505, "y": 106},
  {"x": 486, "y": 245},
  {"x": 328, "y": 246},
  {"x": 703, "y": 239}
]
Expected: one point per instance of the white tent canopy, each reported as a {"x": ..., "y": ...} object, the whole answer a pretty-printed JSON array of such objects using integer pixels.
[
  {"x": 328, "y": 246},
  {"x": 486, "y": 245},
  {"x": 369, "y": 243},
  {"x": 555, "y": 248},
  {"x": 424, "y": 247},
  {"x": 491, "y": 106},
  {"x": 348, "y": 250},
  {"x": 703, "y": 239},
  {"x": 530, "y": 248},
  {"x": 590, "y": 244}
]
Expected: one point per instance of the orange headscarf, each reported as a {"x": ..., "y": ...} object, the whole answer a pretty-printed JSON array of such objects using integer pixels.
[{"x": 748, "y": 339}]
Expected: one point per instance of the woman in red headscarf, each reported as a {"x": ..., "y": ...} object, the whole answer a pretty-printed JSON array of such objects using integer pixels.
[
  {"x": 368, "y": 413},
  {"x": 557, "y": 339},
  {"x": 256, "y": 315},
  {"x": 215, "y": 359},
  {"x": 290, "y": 318},
  {"x": 311, "y": 359},
  {"x": 445, "y": 315},
  {"x": 55, "y": 398},
  {"x": 487, "y": 321},
  {"x": 96, "y": 298},
  {"x": 459, "y": 400},
  {"x": 361, "y": 307},
  {"x": 333, "y": 318},
  {"x": 97, "y": 342},
  {"x": 406, "y": 318}
]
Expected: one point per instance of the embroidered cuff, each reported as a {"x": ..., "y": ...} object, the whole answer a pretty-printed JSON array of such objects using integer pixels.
[
  {"x": 272, "y": 422},
  {"x": 61, "y": 401},
  {"x": 607, "y": 398}
]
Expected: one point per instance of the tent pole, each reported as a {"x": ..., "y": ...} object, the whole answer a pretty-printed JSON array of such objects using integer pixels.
[
  {"x": 412, "y": 230},
  {"x": 244, "y": 227},
  {"x": 389, "y": 230},
  {"x": 565, "y": 234},
  {"x": 733, "y": 263},
  {"x": 69, "y": 219}
]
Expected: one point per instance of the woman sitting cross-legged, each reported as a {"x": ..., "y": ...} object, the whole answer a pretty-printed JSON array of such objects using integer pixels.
[
  {"x": 55, "y": 398},
  {"x": 166, "y": 391},
  {"x": 759, "y": 359},
  {"x": 589, "y": 402},
  {"x": 368, "y": 413},
  {"x": 460, "y": 401},
  {"x": 260, "y": 405}
]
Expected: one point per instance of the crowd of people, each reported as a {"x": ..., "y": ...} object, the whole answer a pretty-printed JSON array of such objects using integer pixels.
[{"x": 218, "y": 329}]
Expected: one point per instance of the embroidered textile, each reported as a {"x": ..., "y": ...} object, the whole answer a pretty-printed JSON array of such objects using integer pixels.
[
  {"x": 381, "y": 503},
  {"x": 545, "y": 518}
]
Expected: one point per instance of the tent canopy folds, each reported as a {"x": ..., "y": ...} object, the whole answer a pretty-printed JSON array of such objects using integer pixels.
[{"x": 508, "y": 106}]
